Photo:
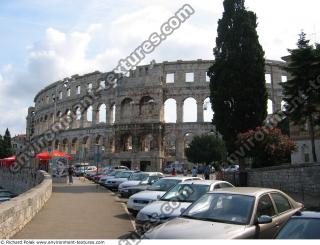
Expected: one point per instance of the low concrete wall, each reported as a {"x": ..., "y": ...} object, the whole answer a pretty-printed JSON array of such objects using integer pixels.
[
  {"x": 17, "y": 212},
  {"x": 302, "y": 182}
]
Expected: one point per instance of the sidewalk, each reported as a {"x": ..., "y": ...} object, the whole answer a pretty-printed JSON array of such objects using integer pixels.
[{"x": 79, "y": 211}]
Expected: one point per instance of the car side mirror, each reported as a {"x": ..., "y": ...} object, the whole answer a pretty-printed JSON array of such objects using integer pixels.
[{"x": 264, "y": 219}]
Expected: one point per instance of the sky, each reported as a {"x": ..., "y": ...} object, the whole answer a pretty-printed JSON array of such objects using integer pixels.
[{"x": 44, "y": 41}]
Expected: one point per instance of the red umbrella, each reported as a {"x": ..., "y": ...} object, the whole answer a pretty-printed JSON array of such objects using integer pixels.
[
  {"x": 7, "y": 161},
  {"x": 49, "y": 155}
]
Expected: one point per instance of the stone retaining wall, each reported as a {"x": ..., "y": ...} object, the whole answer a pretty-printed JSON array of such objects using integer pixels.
[
  {"x": 21, "y": 181},
  {"x": 17, "y": 212},
  {"x": 300, "y": 181}
]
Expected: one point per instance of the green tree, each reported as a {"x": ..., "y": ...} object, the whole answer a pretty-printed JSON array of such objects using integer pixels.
[
  {"x": 2, "y": 154},
  {"x": 238, "y": 89},
  {"x": 303, "y": 99},
  {"x": 7, "y": 147},
  {"x": 205, "y": 149}
]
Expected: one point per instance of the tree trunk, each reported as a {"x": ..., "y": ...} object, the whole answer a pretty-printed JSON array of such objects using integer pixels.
[{"x": 312, "y": 137}]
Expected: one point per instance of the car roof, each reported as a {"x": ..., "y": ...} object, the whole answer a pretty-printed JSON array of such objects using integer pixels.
[
  {"x": 306, "y": 214},
  {"x": 182, "y": 178},
  {"x": 203, "y": 182},
  {"x": 249, "y": 191}
]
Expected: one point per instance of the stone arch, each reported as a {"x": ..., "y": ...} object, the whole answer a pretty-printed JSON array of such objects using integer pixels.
[
  {"x": 99, "y": 140},
  {"x": 89, "y": 112},
  {"x": 283, "y": 105},
  {"x": 65, "y": 143},
  {"x": 270, "y": 107},
  {"x": 112, "y": 113},
  {"x": 170, "y": 111},
  {"x": 207, "y": 110},
  {"x": 170, "y": 144},
  {"x": 146, "y": 143},
  {"x": 126, "y": 141},
  {"x": 74, "y": 146},
  {"x": 190, "y": 110},
  {"x": 57, "y": 145},
  {"x": 146, "y": 105},
  {"x": 102, "y": 109},
  {"x": 126, "y": 108},
  {"x": 187, "y": 139}
]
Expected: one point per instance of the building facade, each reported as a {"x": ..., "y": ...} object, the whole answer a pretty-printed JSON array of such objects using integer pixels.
[
  {"x": 18, "y": 143},
  {"x": 146, "y": 121}
]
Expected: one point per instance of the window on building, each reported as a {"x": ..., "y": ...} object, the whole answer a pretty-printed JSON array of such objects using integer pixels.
[
  {"x": 268, "y": 78},
  {"x": 207, "y": 77},
  {"x": 60, "y": 95},
  {"x": 284, "y": 79},
  {"x": 89, "y": 87},
  {"x": 170, "y": 78},
  {"x": 47, "y": 100},
  {"x": 190, "y": 77},
  {"x": 68, "y": 92},
  {"x": 102, "y": 84},
  {"x": 78, "y": 89}
]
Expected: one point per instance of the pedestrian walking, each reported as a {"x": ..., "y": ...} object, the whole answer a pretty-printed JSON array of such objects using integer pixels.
[
  {"x": 70, "y": 174},
  {"x": 207, "y": 172},
  {"x": 173, "y": 173},
  {"x": 194, "y": 172}
]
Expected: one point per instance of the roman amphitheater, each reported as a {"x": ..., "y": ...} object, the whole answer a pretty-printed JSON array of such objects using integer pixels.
[{"x": 146, "y": 121}]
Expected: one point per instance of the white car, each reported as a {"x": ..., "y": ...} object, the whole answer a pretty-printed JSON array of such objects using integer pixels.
[
  {"x": 109, "y": 175},
  {"x": 175, "y": 201},
  {"x": 139, "y": 179},
  {"x": 138, "y": 201},
  {"x": 118, "y": 178}
]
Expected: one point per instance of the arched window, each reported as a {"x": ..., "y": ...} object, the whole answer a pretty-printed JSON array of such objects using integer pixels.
[
  {"x": 170, "y": 111},
  {"x": 190, "y": 110},
  {"x": 102, "y": 113},
  {"x": 207, "y": 111},
  {"x": 89, "y": 114},
  {"x": 126, "y": 108},
  {"x": 270, "y": 107}
]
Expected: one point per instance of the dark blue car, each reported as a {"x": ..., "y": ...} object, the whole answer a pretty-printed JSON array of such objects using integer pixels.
[{"x": 302, "y": 225}]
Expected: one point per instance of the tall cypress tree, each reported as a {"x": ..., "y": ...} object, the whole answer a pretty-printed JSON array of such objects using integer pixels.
[
  {"x": 304, "y": 68},
  {"x": 238, "y": 89},
  {"x": 7, "y": 143}
]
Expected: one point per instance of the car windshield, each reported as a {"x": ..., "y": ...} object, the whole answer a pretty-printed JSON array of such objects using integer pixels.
[
  {"x": 163, "y": 185},
  {"x": 301, "y": 228},
  {"x": 113, "y": 173},
  {"x": 138, "y": 177},
  {"x": 123, "y": 174},
  {"x": 186, "y": 193},
  {"x": 223, "y": 208}
]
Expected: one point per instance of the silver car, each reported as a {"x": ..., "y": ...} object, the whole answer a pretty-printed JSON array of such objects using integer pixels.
[
  {"x": 231, "y": 213},
  {"x": 138, "y": 201},
  {"x": 119, "y": 178},
  {"x": 175, "y": 201}
]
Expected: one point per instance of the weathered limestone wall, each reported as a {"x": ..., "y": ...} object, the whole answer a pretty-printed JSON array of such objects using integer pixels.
[
  {"x": 19, "y": 182},
  {"x": 302, "y": 182},
  {"x": 17, "y": 212}
]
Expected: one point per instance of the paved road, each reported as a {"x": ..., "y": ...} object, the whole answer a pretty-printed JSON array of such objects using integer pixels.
[{"x": 79, "y": 211}]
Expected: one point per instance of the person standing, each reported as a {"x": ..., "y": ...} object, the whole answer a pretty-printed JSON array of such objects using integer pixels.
[
  {"x": 173, "y": 173},
  {"x": 207, "y": 172},
  {"x": 194, "y": 172},
  {"x": 70, "y": 174}
]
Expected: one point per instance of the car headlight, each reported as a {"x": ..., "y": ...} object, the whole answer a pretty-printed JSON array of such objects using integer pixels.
[{"x": 142, "y": 217}]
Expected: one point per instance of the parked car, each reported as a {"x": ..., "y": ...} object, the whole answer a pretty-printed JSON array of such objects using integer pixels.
[
  {"x": 178, "y": 167},
  {"x": 302, "y": 225},
  {"x": 109, "y": 175},
  {"x": 231, "y": 213},
  {"x": 120, "y": 177},
  {"x": 175, "y": 201},
  {"x": 142, "y": 178},
  {"x": 138, "y": 201},
  {"x": 231, "y": 169}
]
